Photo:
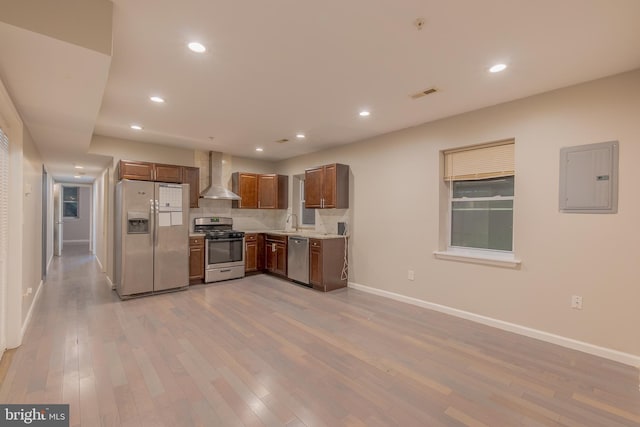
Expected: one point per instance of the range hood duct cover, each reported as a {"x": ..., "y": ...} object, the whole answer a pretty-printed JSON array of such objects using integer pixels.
[{"x": 216, "y": 190}]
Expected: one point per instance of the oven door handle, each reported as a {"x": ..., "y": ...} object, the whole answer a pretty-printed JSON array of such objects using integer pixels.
[{"x": 233, "y": 239}]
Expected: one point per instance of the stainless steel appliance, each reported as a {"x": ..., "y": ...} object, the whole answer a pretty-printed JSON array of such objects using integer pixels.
[
  {"x": 298, "y": 259},
  {"x": 151, "y": 242},
  {"x": 223, "y": 249}
]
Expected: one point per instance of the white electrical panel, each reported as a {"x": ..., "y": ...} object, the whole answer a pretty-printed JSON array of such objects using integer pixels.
[{"x": 589, "y": 178}]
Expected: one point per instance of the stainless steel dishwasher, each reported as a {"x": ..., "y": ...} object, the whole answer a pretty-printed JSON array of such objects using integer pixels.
[{"x": 298, "y": 259}]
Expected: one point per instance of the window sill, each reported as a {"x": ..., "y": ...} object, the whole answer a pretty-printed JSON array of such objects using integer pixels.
[{"x": 496, "y": 261}]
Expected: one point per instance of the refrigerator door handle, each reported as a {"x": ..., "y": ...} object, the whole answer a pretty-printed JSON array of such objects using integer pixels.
[
  {"x": 155, "y": 218},
  {"x": 152, "y": 217}
]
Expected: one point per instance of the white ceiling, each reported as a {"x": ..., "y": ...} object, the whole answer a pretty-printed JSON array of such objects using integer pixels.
[{"x": 275, "y": 68}]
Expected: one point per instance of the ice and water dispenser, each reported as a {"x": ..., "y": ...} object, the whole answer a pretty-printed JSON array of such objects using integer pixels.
[{"x": 137, "y": 223}]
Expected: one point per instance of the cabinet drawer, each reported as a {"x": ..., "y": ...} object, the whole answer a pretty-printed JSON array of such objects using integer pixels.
[
  {"x": 315, "y": 243},
  {"x": 276, "y": 238},
  {"x": 196, "y": 241},
  {"x": 250, "y": 237}
]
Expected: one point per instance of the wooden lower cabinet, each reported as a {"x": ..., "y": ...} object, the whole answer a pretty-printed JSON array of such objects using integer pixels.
[
  {"x": 326, "y": 262},
  {"x": 196, "y": 260},
  {"x": 253, "y": 252},
  {"x": 276, "y": 254}
]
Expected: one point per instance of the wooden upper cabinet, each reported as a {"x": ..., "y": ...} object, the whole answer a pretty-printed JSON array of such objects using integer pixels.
[
  {"x": 191, "y": 176},
  {"x": 273, "y": 191},
  {"x": 141, "y": 171},
  {"x": 168, "y": 173},
  {"x": 245, "y": 185},
  {"x": 260, "y": 191},
  {"x": 313, "y": 187},
  {"x": 327, "y": 187}
]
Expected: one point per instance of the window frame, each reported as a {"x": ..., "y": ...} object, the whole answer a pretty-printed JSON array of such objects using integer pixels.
[
  {"x": 76, "y": 202},
  {"x": 472, "y": 251}
]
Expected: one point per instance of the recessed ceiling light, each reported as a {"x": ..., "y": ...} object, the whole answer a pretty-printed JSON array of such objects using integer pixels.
[
  {"x": 197, "y": 47},
  {"x": 259, "y": 149},
  {"x": 364, "y": 113},
  {"x": 157, "y": 99},
  {"x": 497, "y": 68},
  {"x": 300, "y": 135},
  {"x": 136, "y": 127},
  {"x": 79, "y": 167}
]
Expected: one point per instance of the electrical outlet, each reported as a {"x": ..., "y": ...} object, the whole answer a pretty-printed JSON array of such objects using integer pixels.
[
  {"x": 410, "y": 275},
  {"x": 576, "y": 302}
]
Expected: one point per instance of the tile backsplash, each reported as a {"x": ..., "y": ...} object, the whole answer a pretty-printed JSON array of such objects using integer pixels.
[{"x": 243, "y": 219}]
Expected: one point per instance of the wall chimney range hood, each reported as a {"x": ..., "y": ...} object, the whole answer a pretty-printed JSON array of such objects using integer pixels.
[{"x": 216, "y": 190}]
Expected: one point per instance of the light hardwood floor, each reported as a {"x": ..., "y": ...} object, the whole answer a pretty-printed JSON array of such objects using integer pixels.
[{"x": 263, "y": 352}]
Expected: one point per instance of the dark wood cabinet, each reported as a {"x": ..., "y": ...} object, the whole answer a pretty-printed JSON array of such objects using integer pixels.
[
  {"x": 145, "y": 171},
  {"x": 254, "y": 252},
  {"x": 260, "y": 191},
  {"x": 326, "y": 264},
  {"x": 276, "y": 254},
  {"x": 191, "y": 176},
  {"x": 196, "y": 260},
  {"x": 273, "y": 191},
  {"x": 141, "y": 171},
  {"x": 245, "y": 185},
  {"x": 167, "y": 173},
  {"x": 327, "y": 187}
]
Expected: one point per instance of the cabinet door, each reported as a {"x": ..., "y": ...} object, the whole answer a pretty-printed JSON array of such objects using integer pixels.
[
  {"x": 168, "y": 173},
  {"x": 141, "y": 171},
  {"x": 191, "y": 176},
  {"x": 281, "y": 259},
  {"x": 196, "y": 263},
  {"x": 251, "y": 256},
  {"x": 329, "y": 187},
  {"x": 270, "y": 260},
  {"x": 267, "y": 191},
  {"x": 245, "y": 185},
  {"x": 313, "y": 187},
  {"x": 260, "y": 255},
  {"x": 315, "y": 263}
]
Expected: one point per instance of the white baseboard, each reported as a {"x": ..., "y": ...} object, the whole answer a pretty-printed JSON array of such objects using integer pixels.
[
  {"x": 74, "y": 241},
  {"x": 607, "y": 353},
  {"x": 25, "y": 325},
  {"x": 99, "y": 263}
]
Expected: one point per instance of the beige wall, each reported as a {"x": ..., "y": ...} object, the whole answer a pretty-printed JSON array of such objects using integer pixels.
[
  {"x": 32, "y": 225},
  {"x": 100, "y": 209},
  {"x": 396, "y": 185}
]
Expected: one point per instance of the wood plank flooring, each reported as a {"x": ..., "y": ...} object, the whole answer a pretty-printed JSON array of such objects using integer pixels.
[{"x": 260, "y": 351}]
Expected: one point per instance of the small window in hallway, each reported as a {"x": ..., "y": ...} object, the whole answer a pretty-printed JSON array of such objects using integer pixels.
[{"x": 70, "y": 198}]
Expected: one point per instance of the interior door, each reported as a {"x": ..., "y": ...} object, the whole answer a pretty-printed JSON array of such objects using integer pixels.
[{"x": 57, "y": 219}]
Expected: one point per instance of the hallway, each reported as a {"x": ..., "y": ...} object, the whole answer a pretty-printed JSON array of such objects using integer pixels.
[{"x": 260, "y": 351}]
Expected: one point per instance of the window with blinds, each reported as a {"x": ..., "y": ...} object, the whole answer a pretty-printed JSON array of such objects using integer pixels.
[
  {"x": 481, "y": 195},
  {"x": 4, "y": 213}
]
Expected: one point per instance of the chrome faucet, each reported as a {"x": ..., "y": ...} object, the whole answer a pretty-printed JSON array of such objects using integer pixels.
[{"x": 294, "y": 216}]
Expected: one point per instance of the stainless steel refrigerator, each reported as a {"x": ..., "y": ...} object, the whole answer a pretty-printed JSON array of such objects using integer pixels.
[{"x": 151, "y": 242}]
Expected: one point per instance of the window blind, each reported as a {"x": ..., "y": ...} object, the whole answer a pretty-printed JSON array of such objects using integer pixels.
[
  {"x": 4, "y": 210},
  {"x": 480, "y": 162}
]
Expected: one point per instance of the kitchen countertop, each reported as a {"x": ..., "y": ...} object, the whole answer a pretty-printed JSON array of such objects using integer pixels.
[{"x": 300, "y": 233}]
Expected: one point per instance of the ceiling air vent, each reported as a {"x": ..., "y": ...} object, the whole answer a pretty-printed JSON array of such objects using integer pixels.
[
  {"x": 424, "y": 93},
  {"x": 282, "y": 141}
]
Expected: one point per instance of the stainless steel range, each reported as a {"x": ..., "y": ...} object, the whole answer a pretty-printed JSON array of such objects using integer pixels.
[{"x": 224, "y": 248}]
